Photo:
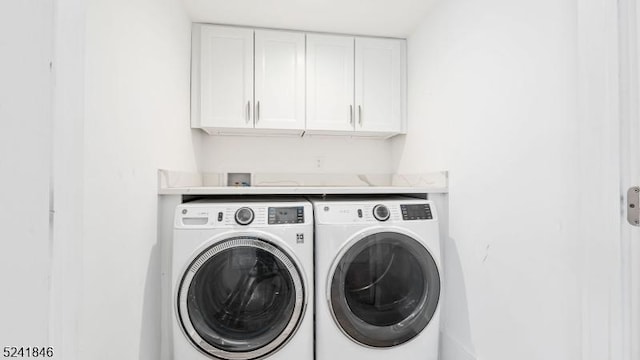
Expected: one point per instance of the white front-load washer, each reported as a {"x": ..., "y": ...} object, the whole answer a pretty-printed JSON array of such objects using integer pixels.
[
  {"x": 242, "y": 279},
  {"x": 377, "y": 279}
]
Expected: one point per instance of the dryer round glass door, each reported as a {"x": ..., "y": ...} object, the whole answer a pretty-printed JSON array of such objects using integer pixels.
[
  {"x": 241, "y": 299},
  {"x": 384, "y": 290}
]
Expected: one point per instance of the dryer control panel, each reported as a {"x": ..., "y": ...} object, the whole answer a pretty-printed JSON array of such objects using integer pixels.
[{"x": 380, "y": 212}]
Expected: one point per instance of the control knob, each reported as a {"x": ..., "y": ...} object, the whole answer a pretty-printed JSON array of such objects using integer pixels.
[
  {"x": 381, "y": 212},
  {"x": 244, "y": 216}
]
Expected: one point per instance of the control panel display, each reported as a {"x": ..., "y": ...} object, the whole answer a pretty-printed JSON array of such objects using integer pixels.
[
  {"x": 416, "y": 212},
  {"x": 286, "y": 215}
]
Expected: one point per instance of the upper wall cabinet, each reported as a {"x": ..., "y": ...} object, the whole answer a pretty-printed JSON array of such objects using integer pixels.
[
  {"x": 380, "y": 85},
  {"x": 279, "y": 80},
  {"x": 222, "y": 78},
  {"x": 330, "y": 86},
  {"x": 355, "y": 84},
  {"x": 287, "y": 82},
  {"x": 224, "y": 66}
]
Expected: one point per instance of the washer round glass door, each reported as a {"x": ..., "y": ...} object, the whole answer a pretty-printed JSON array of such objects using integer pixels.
[
  {"x": 241, "y": 299},
  {"x": 384, "y": 290}
]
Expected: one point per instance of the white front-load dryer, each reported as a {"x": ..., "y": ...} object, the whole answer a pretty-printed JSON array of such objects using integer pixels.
[
  {"x": 378, "y": 279},
  {"x": 242, "y": 280}
]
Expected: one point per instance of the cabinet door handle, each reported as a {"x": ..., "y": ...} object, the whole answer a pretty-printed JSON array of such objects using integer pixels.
[
  {"x": 351, "y": 114},
  {"x": 248, "y": 111},
  {"x": 360, "y": 115},
  {"x": 257, "y": 111}
]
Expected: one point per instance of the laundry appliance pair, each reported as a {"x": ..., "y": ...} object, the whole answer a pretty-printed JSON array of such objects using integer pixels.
[{"x": 303, "y": 279}]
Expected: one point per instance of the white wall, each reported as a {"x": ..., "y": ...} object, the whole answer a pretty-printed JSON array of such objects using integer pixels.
[
  {"x": 495, "y": 97},
  {"x": 221, "y": 154},
  {"x": 137, "y": 121},
  {"x": 67, "y": 172},
  {"x": 25, "y": 164}
]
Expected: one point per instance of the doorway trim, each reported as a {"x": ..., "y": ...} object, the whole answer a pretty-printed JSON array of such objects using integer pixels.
[{"x": 629, "y": 15}]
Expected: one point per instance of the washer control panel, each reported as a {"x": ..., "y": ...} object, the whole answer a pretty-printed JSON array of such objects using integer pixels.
[
  {"x": 286, "y": 215},
  {"x": 416, "y": 212},
  {"x": 202, "y": 214}
]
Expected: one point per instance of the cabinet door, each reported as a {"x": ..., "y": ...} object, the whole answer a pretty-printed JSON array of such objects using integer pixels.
[
  {"x": 330, "y": 94},
  {"x": 279, "y": 81},
  {"x": 379, "y": 84},
  {"x": 222, "y": 77}
]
